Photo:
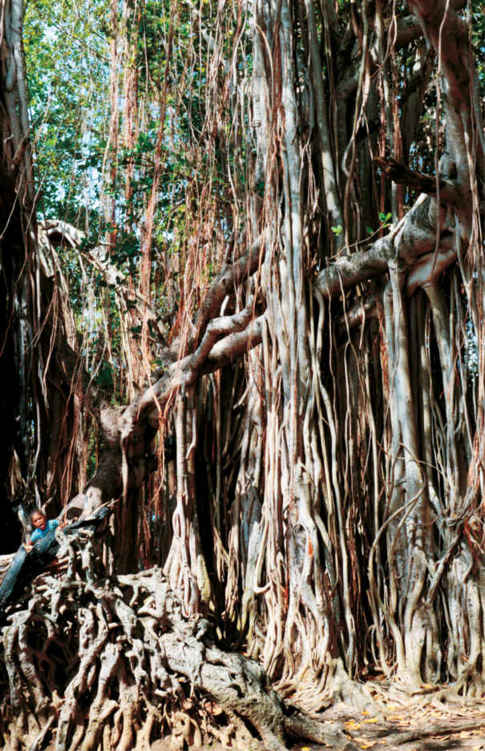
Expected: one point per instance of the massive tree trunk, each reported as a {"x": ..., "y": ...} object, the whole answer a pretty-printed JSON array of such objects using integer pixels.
[{"x": 318, "y": 418}]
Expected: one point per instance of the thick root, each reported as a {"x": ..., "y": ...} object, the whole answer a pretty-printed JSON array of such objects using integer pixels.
[{"x": 114, "y": 663}]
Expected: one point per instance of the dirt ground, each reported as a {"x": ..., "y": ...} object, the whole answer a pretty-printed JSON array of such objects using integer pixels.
[
  {"x": 403, "y": 726},
  {"x": 420, "y": 724},
  {"x": 424, "y": 722}
]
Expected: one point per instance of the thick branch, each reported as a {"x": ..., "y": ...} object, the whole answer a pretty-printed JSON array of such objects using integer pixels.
[
  {"x": 347, "y": 271},
  {"x": 413, "y": 237},
  {"x": 235, "y": 345},
  {"x": 427, "y": 269},
  {"x": 225, "y": 283},
  {"x": 210, "y": 356},
  {"x": 401, "y": 174},
  {"x": 223, "y": 326}
]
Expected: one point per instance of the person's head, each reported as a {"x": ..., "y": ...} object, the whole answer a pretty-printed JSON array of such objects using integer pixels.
[{"x": 38, "y": 519}]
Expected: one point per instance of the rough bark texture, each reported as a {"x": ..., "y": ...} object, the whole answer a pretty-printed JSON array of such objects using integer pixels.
[
  {"x": 312, "y": 445},
  {"x": 117, "y": 663}
]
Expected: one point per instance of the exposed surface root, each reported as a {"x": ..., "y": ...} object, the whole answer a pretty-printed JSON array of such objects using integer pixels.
[{"x": 114, "y": 663}]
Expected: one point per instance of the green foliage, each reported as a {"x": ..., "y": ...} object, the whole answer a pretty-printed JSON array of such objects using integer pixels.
[
  {"x": 104, "y": 378},
  {"x": 385, "y": 219},
  {"x": 478, "y": 39},
  {"x": 67, "y": 73},
  {"x": 97, "y": 171},
  {"x": 126, "y": 250}
]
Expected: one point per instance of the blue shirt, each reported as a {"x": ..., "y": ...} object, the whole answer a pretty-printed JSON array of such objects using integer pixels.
[{"x": 38, "y": 534}]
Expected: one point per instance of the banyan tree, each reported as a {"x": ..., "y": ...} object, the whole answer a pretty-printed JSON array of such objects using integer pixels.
[{"x": 266, "y": 355}]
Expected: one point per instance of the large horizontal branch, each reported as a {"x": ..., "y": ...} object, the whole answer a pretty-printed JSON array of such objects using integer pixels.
[
  {"x": 419, "y": 232},
  {"x": 425, "y": 273},
  {"x": 216, "y": 329},
  {"x": 132, "y": 428},
  {"x": 227, "y": 338},
  {"x": 347, "y": 271},
  {"x": 401, "y": 174},
  {"x": 227, "y": 280},
  {"x": 234, "y": 345},
  {"x": 224, "y": 285}
]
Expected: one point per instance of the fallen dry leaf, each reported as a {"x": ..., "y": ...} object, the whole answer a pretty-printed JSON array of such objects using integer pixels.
[
  {"x": 352, "y": 724},
  {"x": 363, "y": 743}
]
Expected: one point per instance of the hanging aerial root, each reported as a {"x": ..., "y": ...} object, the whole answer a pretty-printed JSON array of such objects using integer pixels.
[{"x": 114, "y": 663}]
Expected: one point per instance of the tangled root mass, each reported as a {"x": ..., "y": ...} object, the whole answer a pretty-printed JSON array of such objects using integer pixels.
[{"x": 97, "y": 661}]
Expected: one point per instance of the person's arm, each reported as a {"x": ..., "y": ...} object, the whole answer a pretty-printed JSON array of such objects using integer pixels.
[{"x": 29, "y": 543}]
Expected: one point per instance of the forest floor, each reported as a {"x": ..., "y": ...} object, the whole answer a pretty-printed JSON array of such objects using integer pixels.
[
  {"x": 411, "y": 726},
  {"x": 425, "y": 725}
]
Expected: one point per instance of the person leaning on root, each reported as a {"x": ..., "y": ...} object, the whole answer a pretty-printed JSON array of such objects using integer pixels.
[
  {"x": 42, "y": 525},
  {"x": 42, "y": 542},
  {"x": 14, "y": 578}
]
